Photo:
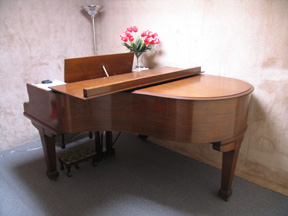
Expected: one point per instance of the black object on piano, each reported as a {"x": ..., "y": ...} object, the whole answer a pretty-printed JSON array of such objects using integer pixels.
[{"x": 46, "y": 82}]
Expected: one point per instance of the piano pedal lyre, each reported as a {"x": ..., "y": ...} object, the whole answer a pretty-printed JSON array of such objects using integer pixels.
[
  {"x": 63, "y": 144},
  {"x": 109, "y": 147}
]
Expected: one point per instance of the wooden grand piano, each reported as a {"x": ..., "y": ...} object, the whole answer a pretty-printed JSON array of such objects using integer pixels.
[{"x": 167, "y": 103}]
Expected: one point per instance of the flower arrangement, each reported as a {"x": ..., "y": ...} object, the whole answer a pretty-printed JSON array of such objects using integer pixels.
[{"x": 139, "y": 43}]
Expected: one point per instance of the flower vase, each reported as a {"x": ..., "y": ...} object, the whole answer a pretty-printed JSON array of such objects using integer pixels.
[{"x": 139, "y": 66}]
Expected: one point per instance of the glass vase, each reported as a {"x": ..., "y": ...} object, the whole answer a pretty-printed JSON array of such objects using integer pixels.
[{"x": 139, "y": 66}]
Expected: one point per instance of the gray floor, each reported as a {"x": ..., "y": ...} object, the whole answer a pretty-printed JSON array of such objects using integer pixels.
[{"x": 142, "y": 179}]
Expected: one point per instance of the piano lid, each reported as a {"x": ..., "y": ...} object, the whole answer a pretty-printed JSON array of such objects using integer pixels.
[{"x": 202, "y": 87}]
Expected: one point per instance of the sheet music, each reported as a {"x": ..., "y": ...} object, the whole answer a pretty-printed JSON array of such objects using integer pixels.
[{"x": 46, "y": 86}]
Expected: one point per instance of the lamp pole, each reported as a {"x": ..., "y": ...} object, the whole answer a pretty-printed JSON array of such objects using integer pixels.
[{"x": 93, "y": 10}]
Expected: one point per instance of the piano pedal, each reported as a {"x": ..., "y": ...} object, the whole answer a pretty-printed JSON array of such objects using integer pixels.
[
  {"x": 143, "y": 137},
  {"x": 109, "y": 153}
]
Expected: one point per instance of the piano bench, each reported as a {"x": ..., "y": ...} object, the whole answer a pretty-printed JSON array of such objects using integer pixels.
[{"x": 74, "y": 156}]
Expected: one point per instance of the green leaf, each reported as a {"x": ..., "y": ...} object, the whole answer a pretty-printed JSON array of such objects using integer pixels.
[
  {"x": 142, "y": 47},
  {"x": 128, "y": 46},
  {"x": 150, "y": 46},
  {"x": 150, "y": 51}
]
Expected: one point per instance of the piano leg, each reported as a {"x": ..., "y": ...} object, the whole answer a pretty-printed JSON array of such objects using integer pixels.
[
  {"x": 229, "y": 159},
  {"x": 48, "y": 144},
  {"x": 98, "y": 146},
  {"x": 110, "y": 151}
]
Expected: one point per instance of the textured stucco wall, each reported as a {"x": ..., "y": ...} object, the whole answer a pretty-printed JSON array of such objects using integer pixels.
[
  {"x": 239, "y": 38},
  {"x": 35, "y": 38}
]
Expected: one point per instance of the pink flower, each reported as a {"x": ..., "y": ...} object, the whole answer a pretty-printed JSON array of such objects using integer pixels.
[
  {"x": 146, "y": 33},
  {"x": 131, "y": 38},
  {"x": 128, "y": 34},
  {"x": 134, "y": 28},
  {"x": 123, "y": 37},
  {"x": 152, "y": 41},
  {"x": 129, "y": 29},
  {"x": 149, "y": 33},
  {"x": 146, "y": 40},
  {"x": 154, "y": 35},
  {"x": 156, "y": 41},
  {"x": 143, "y": 34},
  {"x": 142, "y": 44}
]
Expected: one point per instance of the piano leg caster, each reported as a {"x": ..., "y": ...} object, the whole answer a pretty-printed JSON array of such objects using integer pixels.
[
  {"x": 224, "y": 194},
  {"x": 143, "y": 137}
]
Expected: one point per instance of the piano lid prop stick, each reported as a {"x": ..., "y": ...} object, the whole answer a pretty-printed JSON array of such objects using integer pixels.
[{"x": 105, "y": 70}]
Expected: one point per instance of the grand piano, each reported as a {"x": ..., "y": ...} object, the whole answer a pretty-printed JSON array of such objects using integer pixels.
[{"x": 103, "y": 94}]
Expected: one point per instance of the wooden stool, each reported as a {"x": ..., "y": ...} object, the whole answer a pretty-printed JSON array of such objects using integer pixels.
[{"x": 74, "y": 156}]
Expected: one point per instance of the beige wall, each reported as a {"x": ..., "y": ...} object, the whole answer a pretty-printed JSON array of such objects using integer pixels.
[
  {"x": 245, "y": 39},
  {"x": 35, "y": 38}
]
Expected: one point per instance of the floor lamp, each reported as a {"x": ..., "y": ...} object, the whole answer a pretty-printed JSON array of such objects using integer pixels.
[{"x": 92, "y": 10}]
